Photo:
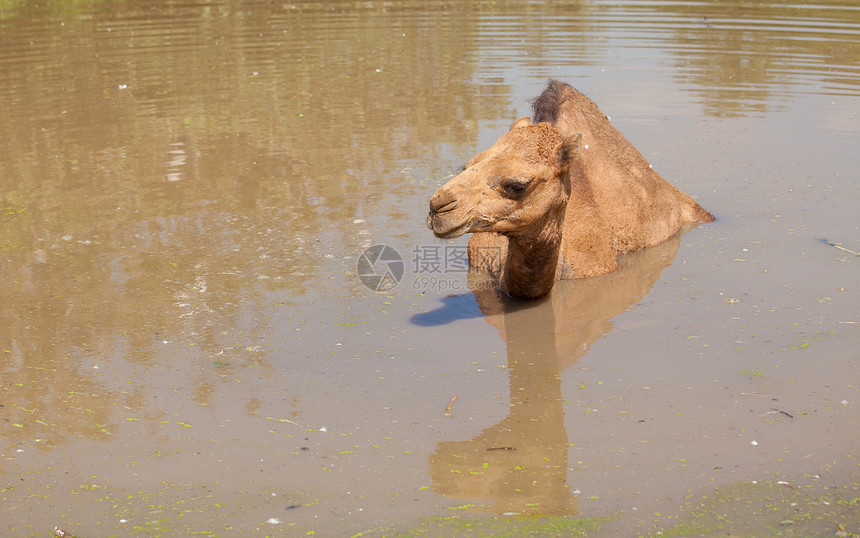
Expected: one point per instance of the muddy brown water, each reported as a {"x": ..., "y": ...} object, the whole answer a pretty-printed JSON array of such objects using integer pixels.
[{"x": 186, "y": 190}]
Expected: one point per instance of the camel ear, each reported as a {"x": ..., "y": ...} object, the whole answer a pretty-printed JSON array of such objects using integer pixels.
[
  {"x": 522, "y": 122},
  {"x": 568, "y": 150}
]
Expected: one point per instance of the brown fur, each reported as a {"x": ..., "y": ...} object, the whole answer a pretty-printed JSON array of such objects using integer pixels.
[{"x": 560, "y": 198}]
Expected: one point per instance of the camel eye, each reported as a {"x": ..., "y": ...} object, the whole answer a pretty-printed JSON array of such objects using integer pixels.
[{"x": 515, "y": 187}]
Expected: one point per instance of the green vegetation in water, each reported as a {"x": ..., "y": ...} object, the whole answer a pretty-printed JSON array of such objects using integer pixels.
[
  {"x": 770, "y": 509},
  {"x": 751, "y": 373},
  {"x": 512, "y": 526}
]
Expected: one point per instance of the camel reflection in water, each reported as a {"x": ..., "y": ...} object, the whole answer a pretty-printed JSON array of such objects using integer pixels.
[{"x": 520, "y": 464}]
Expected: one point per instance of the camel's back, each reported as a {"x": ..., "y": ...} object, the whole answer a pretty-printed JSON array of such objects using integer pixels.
[{"x": 638, "y": 205}]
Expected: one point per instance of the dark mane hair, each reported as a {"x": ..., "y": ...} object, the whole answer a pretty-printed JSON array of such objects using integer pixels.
[{"x": 545, "y": 107}]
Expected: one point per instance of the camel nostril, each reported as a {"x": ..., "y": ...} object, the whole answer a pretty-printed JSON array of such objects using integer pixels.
[
  {"x": 447, "y": 207},
  {"x": 443, "y": 203}
]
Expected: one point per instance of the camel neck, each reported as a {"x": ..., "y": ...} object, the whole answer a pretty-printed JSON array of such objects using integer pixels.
[{"x": 532, "y": 260}]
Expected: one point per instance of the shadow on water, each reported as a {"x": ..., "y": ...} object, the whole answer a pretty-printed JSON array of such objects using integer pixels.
[
  {"x": 520, "y": 464},
  {"x": 454, "y": 308}
]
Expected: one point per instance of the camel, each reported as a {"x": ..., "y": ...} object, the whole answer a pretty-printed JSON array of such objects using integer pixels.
[{"x": 558, "y": 197}]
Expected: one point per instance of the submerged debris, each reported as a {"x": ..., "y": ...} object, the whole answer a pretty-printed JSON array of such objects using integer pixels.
[
  {"x": 841, "y": 532},
  {"x": 839, "y": 246},
  {"x": 779, "y": 411},
  {"x": 448, "y": 409}
]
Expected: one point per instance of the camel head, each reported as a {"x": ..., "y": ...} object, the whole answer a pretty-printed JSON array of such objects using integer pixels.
[{"x": 513, "y": 188}]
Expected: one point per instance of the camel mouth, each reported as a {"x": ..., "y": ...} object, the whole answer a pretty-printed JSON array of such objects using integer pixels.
[
  {"x": 452, "y": 234},
  {"x": 443, "y": 230}
]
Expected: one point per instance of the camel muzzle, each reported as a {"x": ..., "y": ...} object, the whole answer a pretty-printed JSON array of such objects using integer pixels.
[{"x": 443, "y": 201}]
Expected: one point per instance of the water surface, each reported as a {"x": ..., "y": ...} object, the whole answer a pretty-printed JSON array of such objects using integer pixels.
[{"x": 185, "y": 190}]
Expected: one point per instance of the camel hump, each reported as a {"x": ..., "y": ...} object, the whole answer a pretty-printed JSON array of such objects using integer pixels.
[
  {"x": 547, "y": 106},
  {"x": 562, "y": 106}
]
